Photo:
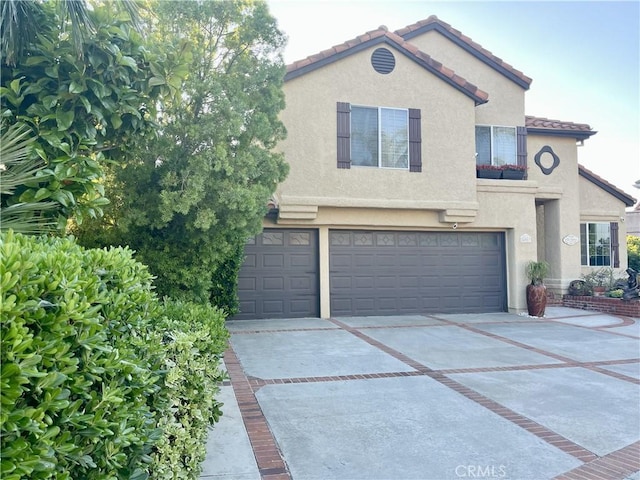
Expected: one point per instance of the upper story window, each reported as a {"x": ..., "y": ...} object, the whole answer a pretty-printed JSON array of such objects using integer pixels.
[
  {"x": 595, "y": 244},
  {"x": 380, "y": 137},
  {"x": 496, "y": 145}
]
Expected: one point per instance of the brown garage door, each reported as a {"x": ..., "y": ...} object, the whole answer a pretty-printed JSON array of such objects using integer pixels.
[
  {"x": 279, "y": 277},
  {"x": 382, "y": 273}
]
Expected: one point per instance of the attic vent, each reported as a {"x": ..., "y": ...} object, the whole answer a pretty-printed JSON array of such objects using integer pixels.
[{"x": 383, "y": 61}]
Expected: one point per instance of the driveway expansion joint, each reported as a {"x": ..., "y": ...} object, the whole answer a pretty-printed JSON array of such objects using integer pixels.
[{"x": 618, "y": 464}]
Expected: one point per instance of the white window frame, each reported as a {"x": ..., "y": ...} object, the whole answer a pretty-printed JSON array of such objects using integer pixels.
[
  {"x": 586, "y": 243},
  {"x": 379, "y": 126},
  {"x": 491, "y": 142}
]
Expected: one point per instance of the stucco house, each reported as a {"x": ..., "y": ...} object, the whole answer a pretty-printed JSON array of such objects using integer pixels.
[{"x": 383, "y": 211}]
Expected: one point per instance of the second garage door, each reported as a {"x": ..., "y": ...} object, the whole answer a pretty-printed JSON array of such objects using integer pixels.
[{"x": 385, "y": 273}]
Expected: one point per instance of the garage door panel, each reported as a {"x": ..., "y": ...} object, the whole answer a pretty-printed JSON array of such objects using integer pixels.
[
  {"x": 406, "y": 282},
  {"x": 279, "y": 277},
  {"x": 363, "y": 260},
  {"x": 302, "y": 284},
  {"x": 271, "y": 260},
  {"x": 300, "y": 261},
  {"x": 273, "y": 307},
  {"x": 365, "y": 283},
  {"x": 250, "y": 260},
  {"x": 414, "y": 272}
]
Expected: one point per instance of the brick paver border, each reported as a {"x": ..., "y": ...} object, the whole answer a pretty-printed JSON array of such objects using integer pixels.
[
  {"x": 271, "y": 465},
  {"x": 614, "y": 466}
]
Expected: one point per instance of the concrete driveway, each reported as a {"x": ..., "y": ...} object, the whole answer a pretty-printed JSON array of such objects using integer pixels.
[{"x": 431, "y": 397}]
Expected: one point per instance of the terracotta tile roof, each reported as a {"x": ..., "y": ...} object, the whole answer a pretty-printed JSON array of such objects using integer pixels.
[
  {"x": 561, "y": 128},
  {"x": 434, "y": 23},
  {"x": 541, "y": 122},
  {"x": 382, "y": 35},
  {"x": 628, "y": 200}
]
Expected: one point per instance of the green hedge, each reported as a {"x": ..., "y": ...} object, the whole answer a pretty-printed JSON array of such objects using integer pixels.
[{"x": 100, "y": 379}]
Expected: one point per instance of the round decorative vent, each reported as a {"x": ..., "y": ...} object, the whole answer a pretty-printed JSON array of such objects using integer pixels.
[{"x": 383, "y": 61}]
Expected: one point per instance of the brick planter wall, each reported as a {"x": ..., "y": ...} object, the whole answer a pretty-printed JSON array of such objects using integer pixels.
[{"x": 615, "y": 306}]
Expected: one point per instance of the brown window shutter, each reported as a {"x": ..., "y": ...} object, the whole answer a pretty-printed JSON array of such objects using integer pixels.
[
  {"x": 615, "y": 247},
  {"x": 521, "y": 156},
  {"x": 415, "y": 141},
  {"x": 344, "y": 135}
]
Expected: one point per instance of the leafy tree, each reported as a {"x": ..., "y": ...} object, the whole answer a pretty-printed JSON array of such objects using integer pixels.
[
  {"x": 633, "y": 252},
  {"x": 80, "y": 79},
  {"x": 187, "y": 201}
]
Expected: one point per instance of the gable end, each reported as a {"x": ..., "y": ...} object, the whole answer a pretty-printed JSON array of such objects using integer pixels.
[
  {"x": 628, "y": 200},
  {"x": 481, "y": 54},
  {"x": 310, "y": 64}
]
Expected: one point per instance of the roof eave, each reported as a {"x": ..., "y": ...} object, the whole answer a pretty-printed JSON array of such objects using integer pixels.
[
  {"x": 375, "y": 41},
  {"x": 628, "y": 200},
  {"x": 577, "y": 134},
  {"x": 469, "y": 49}
]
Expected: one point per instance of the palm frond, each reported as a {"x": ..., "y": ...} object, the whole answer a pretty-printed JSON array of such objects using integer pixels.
[
  {"x": 27, "y": 218},
  {"x": 17, "y": 28},
  {"x": 77, "y": 13},
  {"x": 16, "y": 166}
]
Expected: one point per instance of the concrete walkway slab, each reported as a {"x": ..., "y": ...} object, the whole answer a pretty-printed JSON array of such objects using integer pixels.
[
  {"x": 447, "y": 397},
  {"x": 499, "y": 317},
  {"x": 399, "y": 428},
  {"x": 592, "y": 321},
  {"x": 311, "y": 354},
  {"x": 389, "y": 321},
  {"x": 278, "y": 324},
  {"x": 451, "y": 347},
  {"x": 556, "y": 312},
  {"x": 574, "y": 342},
  {"x": 601, "y": 414},
  {"x": 630, "y": 369},
  {"x": 229, "y": 452},
  {"x": 630, "y": 330}
]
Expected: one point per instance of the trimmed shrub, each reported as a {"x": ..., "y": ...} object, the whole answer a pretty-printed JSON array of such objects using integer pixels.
[
  {"x": 87, "y": 355},
  {"x": 194, "y": 337}
]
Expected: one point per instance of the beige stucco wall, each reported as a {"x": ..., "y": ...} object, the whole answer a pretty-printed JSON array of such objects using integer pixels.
[
  {"x": 559, "y": 201},
  {"x": 447, "y": 179},
  {"x": 506, "y": 99},
  {"x": 596, "y": 205}
]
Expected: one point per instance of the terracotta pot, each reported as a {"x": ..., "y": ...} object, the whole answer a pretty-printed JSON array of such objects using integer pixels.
[{"x": 536, "y": 300}]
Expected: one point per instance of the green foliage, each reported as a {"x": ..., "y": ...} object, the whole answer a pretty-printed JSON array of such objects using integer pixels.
[
  {"x": 86, "y": 97},
  {"x": 18, "y": 169},
  {"x": 616, "y": 293},
  {"x": 601, "y": 277},
  {"x": 95, "y": 370},
  {"x": 187, "y": 201},
  {"x": 77, "y": 361},
  {"x": 536, "y": 271},
  {"x": 633, "y": 252},
  {"x": 191, "y": 362}
]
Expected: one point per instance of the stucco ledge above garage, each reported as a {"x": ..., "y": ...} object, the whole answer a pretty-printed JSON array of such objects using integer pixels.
[{"x": 306, "y": 208}]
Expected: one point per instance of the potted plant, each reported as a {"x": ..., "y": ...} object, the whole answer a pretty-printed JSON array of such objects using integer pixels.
[
  {"x": 513, "y": 172},
  {"x": 536, "y": 290},
  {"x": 488, "y": 171},
  {"x": 600, "y": 280}
]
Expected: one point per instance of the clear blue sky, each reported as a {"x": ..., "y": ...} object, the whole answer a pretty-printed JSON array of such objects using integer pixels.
[{"x": 584, "y": 58}]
